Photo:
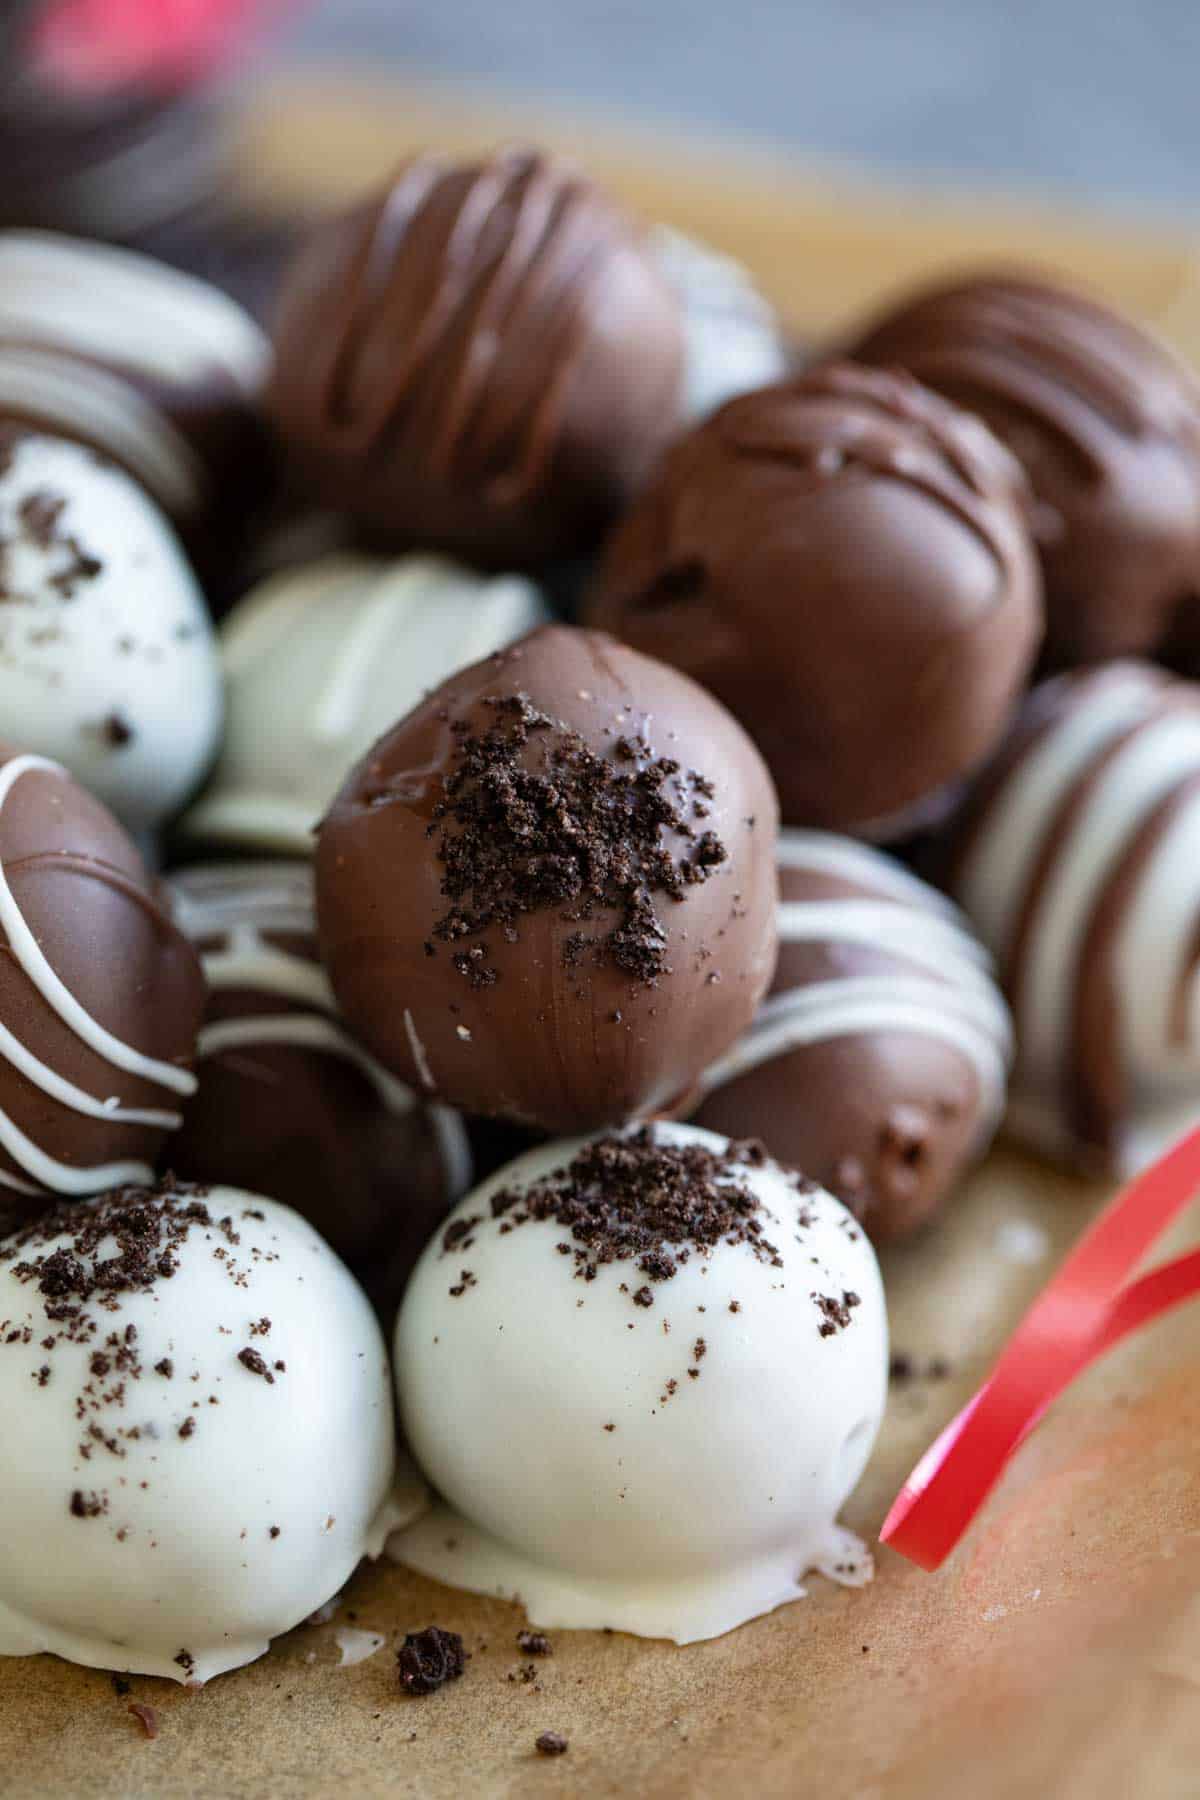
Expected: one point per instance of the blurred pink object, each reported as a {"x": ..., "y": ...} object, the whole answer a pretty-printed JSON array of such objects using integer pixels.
[{"x": 97, "y": 45}]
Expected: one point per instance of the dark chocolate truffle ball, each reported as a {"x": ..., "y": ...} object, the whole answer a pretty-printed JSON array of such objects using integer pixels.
[
  {"x": 1077, "y": 859},
  {"x": 483, "y": 359},
  {"x": 878, "y": 1062},
  {"x": 288, "y": 1104},
  {"x": 843, "y": 560},
  {"x": 1105, "y": 421},
  {"x": 100, "y": 995},
  {"x": 549, "y": 892}
]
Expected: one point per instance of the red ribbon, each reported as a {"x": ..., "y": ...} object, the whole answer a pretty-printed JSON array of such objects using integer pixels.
[{"x": 1080, "y": 1314}]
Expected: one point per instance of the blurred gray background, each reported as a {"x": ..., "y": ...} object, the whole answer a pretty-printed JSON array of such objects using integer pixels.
[{"x": 1093, "y": 97}]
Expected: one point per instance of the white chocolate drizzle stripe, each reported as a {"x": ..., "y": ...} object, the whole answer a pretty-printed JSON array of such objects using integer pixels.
[
  {"x": 274, "y": 971},
  {"x": 932, "y": 941},
  {"x": 9, "y": 1180},
  {"x": 824, "y": 853},
  {"x": 304, "y": 1031},
  {"x": 866, "y": 1008},
  {"x": 84, "y": 401},
  {"x": 57, "y": 995},
  {"x": 458, "y": 1161},
  {"x": 67, "y": 1094},
  {"x": 59, "y": 1176}
]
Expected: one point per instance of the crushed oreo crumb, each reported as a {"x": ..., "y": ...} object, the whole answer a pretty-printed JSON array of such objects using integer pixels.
[
  {"x": 251, "y": 1359},
  {"x": 534, "y": 1643},
  {"x": 835, "y": 1313},
  {"x": 530, "y": 817},
  {"x": 430, "y": 1658},
  {"x": 653, "y": 1203},
  {"x": 551, "y": 1743}
]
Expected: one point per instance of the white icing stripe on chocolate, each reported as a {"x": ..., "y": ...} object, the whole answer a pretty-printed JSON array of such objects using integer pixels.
[
  {"x": 62, "y": 1178},
  {"x": 115, "y": 305},
  {"x": 238, "y": 905},
  {"x": 847, "y": 860},
  {"x": 25, "y": 948},
  {"x": 1142, "y": 774},
  {"x": 939, "y": 984},
  {"x": 866, "y": 1006},
  {"x": 19, "y": 1186},
  {"x": 992, "y": 882},
  {"x": 458, "y": 1160},
  {"x": 67, "y": 1094},
  {"x": 1151, "y": 957},
  {"x": 249, "y": 962},
  {"x": 210, "y": 902},
  {"x": 83, "y": 401},
  {"x": 304, "y": 1031},
  {"x": 930, "y": 940}
]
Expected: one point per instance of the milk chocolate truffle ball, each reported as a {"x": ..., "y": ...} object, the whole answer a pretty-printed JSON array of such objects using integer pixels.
[
  {"x": 688, "y": 1344},
  {"x": 155, "y": 369},
  {"x": 318, "y": 662},
  {"x": 1106, "y": 422},
  {"x": 100, "y": 995},
  {"x": 1078, "y": 861},
  {"x": 843, "y": 560},
  {"x": 484, "y": 359},
  {"x": 108, "y": 661},
  {"x": 878, "y": 1062},
  {"x": 549, "y": 892},
  {"x": 288, "y": 1104}
]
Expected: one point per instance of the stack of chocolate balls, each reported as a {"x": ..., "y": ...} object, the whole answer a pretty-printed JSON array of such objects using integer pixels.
[{"x": 864, "y": 773}]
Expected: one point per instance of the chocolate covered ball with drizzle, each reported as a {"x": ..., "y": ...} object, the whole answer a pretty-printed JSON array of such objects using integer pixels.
[
  {"x": 1106, "y": 422},
  {"x": 484, "y": 359},
  {"x": 549, "y": 892},
  {"x": 158, "y": 371},
  {"x": 843, "y": 560},
  {"x": 288, "y": 1103},
  {"x": 878, "y": 1062},
  {"x": 1077, "y": 859},
  {"x": 100, "y": 995}
]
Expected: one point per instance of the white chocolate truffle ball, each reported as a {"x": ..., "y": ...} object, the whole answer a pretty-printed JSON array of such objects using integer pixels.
[
  {"x": 733, "y": 339},
  {"x": 659, "y": 1442},
  {"x": 108, "y": 663},
  {"x": 320, "y": 661},
  {"x": 197, "y": 1419}
]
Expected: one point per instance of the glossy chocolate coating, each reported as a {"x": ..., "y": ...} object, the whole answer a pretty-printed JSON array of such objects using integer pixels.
[
  {"x": 842, "y": 559},
  {"x": 877, "y": 1064},
  {"x": 94, "y": 978},
  {"x": 553, "y": 1033},
  {"x": 484, "y": 359},
  {"x": 1077, "y": 859},
  {"x": 287, "y": 1105},
  {"x": 1106, "y": 422}
]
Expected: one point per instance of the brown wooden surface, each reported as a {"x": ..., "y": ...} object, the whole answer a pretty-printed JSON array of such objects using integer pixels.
[{"x": 1059, "y": 1651}]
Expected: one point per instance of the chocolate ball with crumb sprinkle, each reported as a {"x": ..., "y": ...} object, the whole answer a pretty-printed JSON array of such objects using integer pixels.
[{"x": 548, "y": 894}]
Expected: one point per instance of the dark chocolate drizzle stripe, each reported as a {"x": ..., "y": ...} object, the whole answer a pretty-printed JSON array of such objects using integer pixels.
[
  {"x": 1051, "y": 352},
  {"x": 530, "y": 282},
  {"x": 889, "y": 426}
]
